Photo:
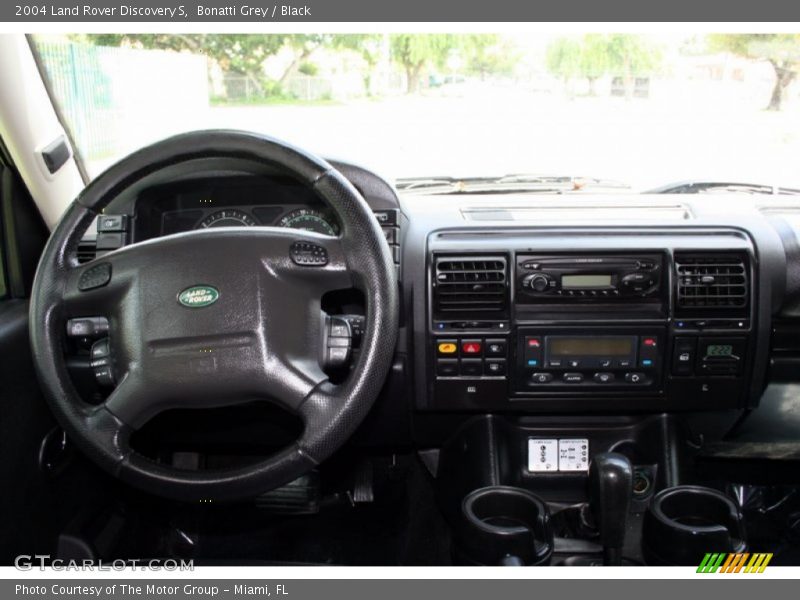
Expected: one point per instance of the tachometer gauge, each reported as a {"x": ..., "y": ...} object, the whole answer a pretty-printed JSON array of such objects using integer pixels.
[
  {"x": 227, "y": 218},
  {"x": 310, "y": 220}
]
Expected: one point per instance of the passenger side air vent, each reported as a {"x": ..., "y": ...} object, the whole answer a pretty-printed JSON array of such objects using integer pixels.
[
  {"x": 706, "y": 282},
  {"x": 472, "y": 286},
  {"x": 87, "y": 249}
]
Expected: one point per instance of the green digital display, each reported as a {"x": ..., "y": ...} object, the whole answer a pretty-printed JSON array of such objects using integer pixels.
[
  {"x": 719, "y": 350},
  {"x": 579, "y": 282},
  {"x": 596, "y": 346}
]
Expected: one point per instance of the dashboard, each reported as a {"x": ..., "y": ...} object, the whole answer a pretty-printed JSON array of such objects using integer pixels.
[{"x": 540, "y": 304}]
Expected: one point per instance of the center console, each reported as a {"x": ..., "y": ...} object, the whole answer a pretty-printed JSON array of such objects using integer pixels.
[{"x": 527, "y": 324}]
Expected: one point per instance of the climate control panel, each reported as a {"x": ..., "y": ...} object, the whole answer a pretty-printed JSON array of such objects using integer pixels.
[{"x": 572, "y": 359}]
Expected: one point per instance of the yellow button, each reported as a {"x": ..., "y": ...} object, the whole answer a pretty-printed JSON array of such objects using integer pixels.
[{"x": 447, "y": 348}]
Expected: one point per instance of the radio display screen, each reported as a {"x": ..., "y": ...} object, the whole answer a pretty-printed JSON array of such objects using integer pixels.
[
  {"x": 578, "y": 282},
  {"x": 595, "y": 346}
]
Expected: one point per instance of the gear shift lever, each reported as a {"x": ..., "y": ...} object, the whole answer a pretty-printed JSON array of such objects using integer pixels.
[{"x": 610, "y": 489}]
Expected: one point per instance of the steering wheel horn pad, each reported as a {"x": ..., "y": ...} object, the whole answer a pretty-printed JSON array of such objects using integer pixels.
[{"x": 258, "y": 338}]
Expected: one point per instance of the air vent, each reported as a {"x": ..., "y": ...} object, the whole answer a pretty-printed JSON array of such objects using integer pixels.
[
  {"x": 711, "y": 281},
  {"x": 87, "y": 249},
  {"x": 470, "y": 286}
]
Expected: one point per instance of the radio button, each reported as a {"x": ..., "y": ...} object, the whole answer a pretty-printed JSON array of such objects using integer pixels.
[
  {"x": 572, "y": 378},
  {"x": 637, "y": 278},
  {"x": 495, "y": 366},
  {"x": 604, "y": 377},
  {"x": 495, "y": 348},
  {"x": 541, "y": 378},
  {"x": 554, "y": 362},
  {"x": 471, "y": 347},
  {"x": 624, "y": 363}
]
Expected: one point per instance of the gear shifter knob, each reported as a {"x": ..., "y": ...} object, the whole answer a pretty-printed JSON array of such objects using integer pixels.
[{"x": 610, "y": 489}]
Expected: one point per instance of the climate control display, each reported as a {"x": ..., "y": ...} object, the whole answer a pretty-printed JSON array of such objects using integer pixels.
[{"x": 563, "y": 358}]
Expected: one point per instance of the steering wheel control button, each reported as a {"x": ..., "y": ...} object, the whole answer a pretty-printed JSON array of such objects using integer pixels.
[
  {"x": 339, "y": 343},
  {"x": 104, "y": 376},
  {"x": 95, "y": 277},
  {"x": 447, "y": 367},
  {"x": 446, "y": 348},
  {"x": 471, "y": 348},
  {"x": 308, "y": 255},
  {"x": 338, "y": 328},
  {"x": 572, "y": 378},
  {"x": 541, "y": 378},
  {"x": 87, "y": 327},
  {"x": 101, "y": 349},
  {"x": 100, "y": 357},
  {"x": 110, "y": 241},
  {"x": 357, "y": 325},
  {"x": 112, "y": 223},
  {"x": 604, "y": 377}
]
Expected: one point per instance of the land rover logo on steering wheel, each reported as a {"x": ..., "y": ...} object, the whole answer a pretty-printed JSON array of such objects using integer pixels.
[{"x": 198, "y": 296}]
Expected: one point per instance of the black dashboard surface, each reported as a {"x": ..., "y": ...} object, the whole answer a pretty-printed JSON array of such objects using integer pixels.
[{"x": 419, "y": 226}]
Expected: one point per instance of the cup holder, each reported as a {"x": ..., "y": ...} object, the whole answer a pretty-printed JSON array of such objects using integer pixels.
[
  {"x": 503, "y": 526},
  {"x": 684, "y": 523}
]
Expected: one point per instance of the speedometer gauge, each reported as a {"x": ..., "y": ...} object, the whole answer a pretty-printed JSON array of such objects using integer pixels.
[
  {"x": 310, "y": 220},
  {"x": 227, "y": 218}
]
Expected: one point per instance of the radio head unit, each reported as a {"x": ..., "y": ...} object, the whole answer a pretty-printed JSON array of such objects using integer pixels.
[{"x": 571, "y": 277}]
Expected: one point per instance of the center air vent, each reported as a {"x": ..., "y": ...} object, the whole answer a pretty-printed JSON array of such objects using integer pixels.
[
  {"x": 470, "y": 286},
  {"x": 711, "y": 281}
]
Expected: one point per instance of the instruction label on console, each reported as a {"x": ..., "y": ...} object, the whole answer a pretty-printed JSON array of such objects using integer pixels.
[
  {"x": 542, "y": 455},
  {"x": 573, "y": 455}
]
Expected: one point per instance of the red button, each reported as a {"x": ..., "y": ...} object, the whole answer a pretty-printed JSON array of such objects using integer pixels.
[
  {"x": 471, "y": 347},
  {"x": 649, "y": 341},
  {"x": 534, "y": 343}
]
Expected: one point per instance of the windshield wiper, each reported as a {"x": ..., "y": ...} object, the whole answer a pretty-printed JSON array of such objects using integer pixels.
[
  {"x": 517, "y": 182},
  {"x": 716, "y": 187}
]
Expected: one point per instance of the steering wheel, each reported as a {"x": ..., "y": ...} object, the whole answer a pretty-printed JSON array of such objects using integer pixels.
[{"x": 260, "y": 336}]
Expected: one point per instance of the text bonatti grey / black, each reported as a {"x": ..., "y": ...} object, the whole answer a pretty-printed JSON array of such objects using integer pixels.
[{"x": 171, "y": 12}]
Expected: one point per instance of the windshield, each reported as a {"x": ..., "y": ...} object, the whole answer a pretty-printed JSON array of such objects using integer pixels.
[{"x": 638, "y": 110}]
